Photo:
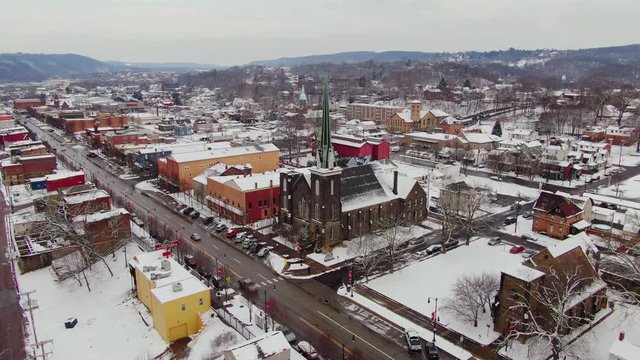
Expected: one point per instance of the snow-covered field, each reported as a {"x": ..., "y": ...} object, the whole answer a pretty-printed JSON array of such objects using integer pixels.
[
  {"x": 629, "y": 189},
  {"x": 629, "y": 156},
  {"x": 109, "y": 317},
  {"x": 435, "y": 277},
  {"x": 503, "y": 188}
]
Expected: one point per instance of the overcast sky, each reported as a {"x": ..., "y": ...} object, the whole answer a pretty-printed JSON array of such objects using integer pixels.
[{"x": 230, "y": 32}]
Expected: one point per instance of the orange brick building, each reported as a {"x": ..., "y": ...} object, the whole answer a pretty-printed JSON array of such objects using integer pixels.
[
  {"x": 554, "y": 214},
  {"x": 178, "y": 170}
]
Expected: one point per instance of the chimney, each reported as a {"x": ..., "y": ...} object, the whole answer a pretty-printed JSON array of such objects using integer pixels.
[
  {"x": 621, "y": 336},
  {"x": 256, "y": 185},
  {"x": 395, "y": 182}
]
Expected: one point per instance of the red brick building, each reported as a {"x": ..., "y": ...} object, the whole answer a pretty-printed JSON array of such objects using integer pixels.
[
  {"x": 352, "y": 146},
  {"x": 87, "y": 202},
  {"x": 64, "y": 180},
  {"x": 554, "y": 214},
  {"x": 25, "y": 104},
  {"x": 625, "y": 136},
  {"x": 21, "y": 168},
  {"x": 13, "y": 134},
  {"x": 107, "y": 229}
]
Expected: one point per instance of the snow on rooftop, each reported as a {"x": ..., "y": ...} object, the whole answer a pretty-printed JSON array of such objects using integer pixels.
[
  {"x": 261, "y": 347},
  {"x": 63, "y": 175},
  {"x": 101, "y": 215},
  {"x": 580, "y": 239},
  {"x": 86, "y": 196},
  {"x": 523, "y": 273},
  {"x": 438, "y": 113},
  {"x": 213, "y": 154},
  {"x": 188, "y": 286},
  {"x": 250, "y": 182}
]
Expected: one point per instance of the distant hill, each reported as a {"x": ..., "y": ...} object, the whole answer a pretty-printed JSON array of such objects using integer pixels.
[
  {"x": 174, "y": 67},
  {"x": 624, "y": 54},
  {"x": 21, "y": 67},
  {"x": 350, "y": 57}
]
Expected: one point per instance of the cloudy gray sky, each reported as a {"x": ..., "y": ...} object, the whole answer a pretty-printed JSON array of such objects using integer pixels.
[{"x": 230, "y": 32}]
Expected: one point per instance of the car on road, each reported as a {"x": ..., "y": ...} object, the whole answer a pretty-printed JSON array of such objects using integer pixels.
[
  {"x": 495, "y": 241},
  {"x": 308, "y": 351},
  {"x": 247, "y": 285},
  {"x": 481, "y": 166},
  {"x": 528, "y": 237},
  {"x": 510, "y": 220},
  {"x": 528, "y": 253},
  {"x": 220, "y": 228},
  {"x": 432, "y": 249},
  {"x": 434, "y": 209},
  {"x": 432, "y": 351},
  {"x": 195, "y": 214},
  {"x": 421, "y": 253},
  {"x": 527, "y": 215},
  {"x": 414, "y": 343},
  {"x": 516, "y": 249},
  {"x": 263, "y": 252},
  {"x": 417, "y": 241},
  {"x": 450, "y": 243},
  {"x": 188, "y": 210},
  {"x": 496, "y": 178},
  {"x": 231, "y": 233},
  {"x": 195, "y": 237},
  {"x": 181, "y": 207}
]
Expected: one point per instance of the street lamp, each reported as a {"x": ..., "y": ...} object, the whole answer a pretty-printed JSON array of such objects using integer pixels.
[{"x": 434, "y": 316}]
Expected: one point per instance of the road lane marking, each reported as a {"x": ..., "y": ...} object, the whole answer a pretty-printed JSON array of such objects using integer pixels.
[
  {"x": 214, "y": 245},
  {"x": 262, "y": 276},
  {"x": 355, "y": 335},
  {"x": 336, "y": 342},
  {"x": 236, "y": 260}
]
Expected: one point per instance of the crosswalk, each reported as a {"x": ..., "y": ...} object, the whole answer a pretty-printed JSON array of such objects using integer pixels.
[{"x": 268, "y": 282}]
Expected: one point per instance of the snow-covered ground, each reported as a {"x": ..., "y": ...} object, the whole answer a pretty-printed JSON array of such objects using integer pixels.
[
  {"x": 629, "y": 189},
  {"x": 213, "y": 339},
  {"x": 629, "y": 156},
  {"x": 503, "y": 188},
  {"x": 429, "y": 278},
  {"x": 109, "y": 317}
]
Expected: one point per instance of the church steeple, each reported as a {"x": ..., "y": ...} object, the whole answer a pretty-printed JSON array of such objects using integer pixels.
[{"x": 325, "y": 156}]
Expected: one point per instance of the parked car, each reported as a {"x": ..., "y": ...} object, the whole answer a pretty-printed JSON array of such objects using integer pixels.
[
  {"x": 434, "y": 209},
  {"x": 527, "y": 215},
  {"x": 187, "y": 210},
  {"x": 208, "y": 221},
  {"x": 421, "y": 253},
  {"x": 189, "y": 260},
  {"x": 263, "y": 252},
  {"x": 195, "y": 237},
  {"x": 181, "y": 207},
  {"x": 481, "y": 166},
  {"x": 195, "y": 214},
  {"x": 495, "y": 241},
  {"x": 308, "y": 351},
  {"x": 528, "y": 253},
  {"x": 528, "y": 237},
  {"x": 288, "y": 334},
  {"x": 246, "y": 244},
  {"x": 220, "y": 227},
  {"x": 231, "y": 233},
  {"x": 432, "y": 249},
  {"x": 516, "y": 249},
  {"x": 413, "y": 340},
  {"x": 247, "y": 285},
  {"x": 510, "y": 220},
  {"x": 496, "y": 178},
  {"x": 450, "y": 243},
  {"x": 432, "y": 351},
  {"x": 254, "y": 248}
]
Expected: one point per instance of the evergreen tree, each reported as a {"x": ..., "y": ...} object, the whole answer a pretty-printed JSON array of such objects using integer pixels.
[
  {"x": 467, "y": 83},
  {"x": 497, "y": 129},
  {"x": 442, "y": 84}
]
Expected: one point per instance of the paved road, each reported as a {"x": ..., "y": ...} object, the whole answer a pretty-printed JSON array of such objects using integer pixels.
[
  {"x": 311, "y": 309},
  {"x": 12, "y": 334}
]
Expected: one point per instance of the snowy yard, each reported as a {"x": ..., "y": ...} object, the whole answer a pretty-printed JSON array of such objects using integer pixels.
[
  {"x": 629, "y": 189},
  {"x": 629, "y": 156},
  {"x": 501, "y": 187},
  {"x": 435, "y": 277},
  {"x": 109, "y": 317}
]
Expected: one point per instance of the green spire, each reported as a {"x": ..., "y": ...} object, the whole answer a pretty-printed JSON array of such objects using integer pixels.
[
  {"x": 326, "y": 158},
  {"x": 303, "y": 95}
]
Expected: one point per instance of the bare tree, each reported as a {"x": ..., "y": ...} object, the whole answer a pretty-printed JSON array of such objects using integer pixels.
[
  {"x": 392, "y": 236},
  {"x": 461, "y": 204},
  {"x": 546, "y": 311},
  {"x": 497, "y": 162},
  {"x": 621, "y": 100},
  {"x": 369, "y": 257},
  {"x": 472, "y": 295}
]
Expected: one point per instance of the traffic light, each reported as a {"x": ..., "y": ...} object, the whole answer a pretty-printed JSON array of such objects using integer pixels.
[{"x": 350, "y": 276}]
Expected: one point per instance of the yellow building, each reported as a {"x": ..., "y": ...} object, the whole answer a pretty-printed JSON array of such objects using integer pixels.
[
  {"x": 179, "y": 170},
  {"x": 175, "y": 298}
]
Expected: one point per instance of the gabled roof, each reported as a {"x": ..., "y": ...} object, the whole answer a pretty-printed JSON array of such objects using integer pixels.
[
  {"x": 549, "y": 202},
  {"x": 358, "y": 181}
]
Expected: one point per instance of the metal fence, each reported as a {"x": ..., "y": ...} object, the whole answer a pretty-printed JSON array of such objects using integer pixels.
[{"x": 235, "y": 323}]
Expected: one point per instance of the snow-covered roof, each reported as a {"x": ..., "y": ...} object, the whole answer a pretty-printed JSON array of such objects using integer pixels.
[
  {"x": 613, "y": 200},
  {"x": 63, "y": 175},
  {"x": 261, "y": 347},
  {"x": 86, "y": 196},
  {"x": 625, "y": 349},
  {"x": 581, "y": 225},
  {"x": 431, "y": 137},
  {"x": 438, "y": 113},
  {"x": 219, "y": 153},
  {"x": 580, "y": 239},
  {"x": 523, "y": 272},
  {"x": 164, "y": 279},
  {"x": 250, "y": 182},
  {"x": 101, "y": 215},
  {"x": 480, "y": 138}
]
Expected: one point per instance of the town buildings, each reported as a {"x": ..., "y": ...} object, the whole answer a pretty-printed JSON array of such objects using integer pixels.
[
  {"x": 371, "y": 112},
  {"x": 554, "y": 215}
]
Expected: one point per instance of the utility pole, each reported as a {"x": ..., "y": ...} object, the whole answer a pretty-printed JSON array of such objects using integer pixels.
[{"x": 30, "y": 306}]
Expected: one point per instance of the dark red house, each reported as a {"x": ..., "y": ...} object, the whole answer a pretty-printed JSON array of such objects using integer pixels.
[
  {"x": 13, "y": 135},
  {"x": 87, "y": 202},
  {"x": 64, "y": 180},
  {"x": 352, "y": 146},
  {"x": 21, "y": 168}
]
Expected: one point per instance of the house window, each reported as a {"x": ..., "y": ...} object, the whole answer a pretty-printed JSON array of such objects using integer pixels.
[
  {"x": 200, "y": 302},
  {"x": 249, "y": 204},
  {"x": 184, "y": 307},
  {"x": 284, "y": 185},
  {"x": 317, "y": 187},
  {"x": 317, "y": 211},
  {"x": 332, "y": 183},
  {"x": 266, "y": 212}
]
